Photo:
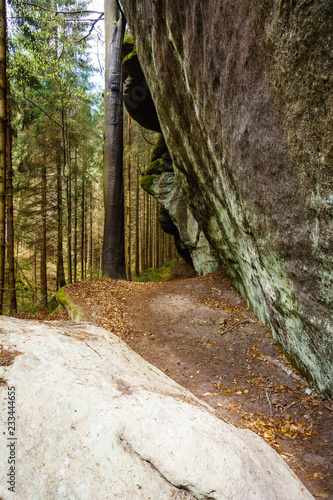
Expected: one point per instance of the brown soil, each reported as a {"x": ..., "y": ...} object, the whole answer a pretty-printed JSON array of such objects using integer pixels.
[{"x": 199, "y": 331}]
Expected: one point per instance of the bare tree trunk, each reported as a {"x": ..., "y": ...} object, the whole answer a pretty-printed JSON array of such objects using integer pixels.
[
  {"x": 10, "y": 209},
  {"x": 113, "y": 241},
  {"x": 3, "y": 45},
  {"x": 67, "y": 166},
  {"x": 91, "y": 261},
  {"x": 147, "y": 231},
  {"x": 100, "y": 256},
  {"x": 35, "y": 249},
  {"x": 61, "y": 281},
  {"x": 82, "y": 225},
  {"x": 128, "y": 206},
  {"x": 75, "y": 219},
  {"x": 137, "y": 224},
  {"x": 157, "y": 231},
  {"x": 43, "y": 269},
  {"x": 86, "y": 239}
]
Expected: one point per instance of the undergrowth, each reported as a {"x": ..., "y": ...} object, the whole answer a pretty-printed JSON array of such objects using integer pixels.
[{"x": 162, "y": 274}]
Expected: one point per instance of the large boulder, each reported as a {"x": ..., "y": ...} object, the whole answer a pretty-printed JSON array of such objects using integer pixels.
[
  {"x": 96, "y": 421},
  {"x": 244, "y": 96}
]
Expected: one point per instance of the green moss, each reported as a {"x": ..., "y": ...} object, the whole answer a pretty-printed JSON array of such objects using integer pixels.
[
  {"x": 146, "y": 182},
  {"x": 73, "y": 311},
  {"x": 128, "y": 46},
  {"x": 157, "y": 275},
  {"x": 129, "y": 39},
  {"x": 54, "y": 311},
  {"x": 156, "y": 167},
  {"x": 159, "y": 149},
  {"x": 130, "y": 56}
]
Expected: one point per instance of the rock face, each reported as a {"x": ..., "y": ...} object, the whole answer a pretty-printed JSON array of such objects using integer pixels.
[
  {"x": 159, "y": 179},
  {"x": 176, "y": 218},
  {"x": 137, "y": 97},
  {"x": 244, "y": 97},
  {"x": 94, "y": 420}
]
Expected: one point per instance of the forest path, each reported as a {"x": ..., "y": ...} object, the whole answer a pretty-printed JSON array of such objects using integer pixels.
[{"x": 200, "y": 332}]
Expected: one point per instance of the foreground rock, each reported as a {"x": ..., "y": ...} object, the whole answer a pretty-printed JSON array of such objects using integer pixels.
[
  {"x": 94, "y": 420},
  {"x": 243, "y": 92}
]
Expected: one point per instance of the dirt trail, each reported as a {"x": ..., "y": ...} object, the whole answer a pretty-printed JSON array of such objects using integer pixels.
[{"x": 200, "y": 332}]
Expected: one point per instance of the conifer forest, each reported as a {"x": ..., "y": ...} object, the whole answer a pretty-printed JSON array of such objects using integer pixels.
[{"x": 51, "y": 173}]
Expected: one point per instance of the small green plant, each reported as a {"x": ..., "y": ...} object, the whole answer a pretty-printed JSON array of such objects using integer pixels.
[{"x": 162, "y": 274}]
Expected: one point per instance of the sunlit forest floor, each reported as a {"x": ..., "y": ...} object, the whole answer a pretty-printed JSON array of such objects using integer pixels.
[{"x": 200, "y": 332}]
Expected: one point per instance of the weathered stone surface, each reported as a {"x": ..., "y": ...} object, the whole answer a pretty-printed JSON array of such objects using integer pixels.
[
  {"x": 244, "y": 95},
  {"x": 137, "y": 96},
  {"x": 176, "y": 218},
  {"x": 94, "y": 420}
]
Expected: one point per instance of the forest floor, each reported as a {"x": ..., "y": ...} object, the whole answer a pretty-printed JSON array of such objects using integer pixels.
[{"x": 199, "y": 332}]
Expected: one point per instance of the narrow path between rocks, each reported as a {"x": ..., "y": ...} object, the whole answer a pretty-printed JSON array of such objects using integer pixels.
[{"x": 200, "y": 332}]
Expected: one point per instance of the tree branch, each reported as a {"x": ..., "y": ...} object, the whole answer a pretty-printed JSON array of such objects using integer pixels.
[
  {"x": 151, "y": 143},
  {"x": 42, "y": 110},
  {"x": 64, "y": 12},
  {"x": 48, "y": 100},
  {"x": 91, "y": 28}
]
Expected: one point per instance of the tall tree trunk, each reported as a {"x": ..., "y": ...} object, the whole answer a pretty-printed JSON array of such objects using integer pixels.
[
  {"x": 75, "y": 219},
  {"x": 61, "y": 281},
  {"x": 128, "y": 205},
  {"x": 86, "y": 242},
  {"x": 35, "y": 248},
  {"x": 3, "y": 45},
  {"x": 144, "y": 232},
  {"x": 10, "y": 207},
  {"x": 43, "y": 269},
  {"x": 157, "y": 232},
  {"x": 67, "y": 172},
  {"x": 82, "y": 224},
  {"x": 113, "y": 241},
  {"x": 69, "y": 226},
  {"x": 91, "y": 261},
  {"x": 148, "y": 266},
  {"x": 137, "y": 226}
]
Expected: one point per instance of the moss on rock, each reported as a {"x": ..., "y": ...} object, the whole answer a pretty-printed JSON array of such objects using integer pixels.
[
  {"x": 74, "y": 312},
  {"x": 159, "y": 149}
]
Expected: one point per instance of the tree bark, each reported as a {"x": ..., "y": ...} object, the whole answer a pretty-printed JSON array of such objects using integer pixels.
[
  {"x": 91, "y": 260},
  {"x": 61, "y": 281},
  {"x": 137, "y": 224},
  {"x": 2, "y": 148},
  {"x": 157, "y": 240},
  {"x": 128, "y": 205},
  {"x": 113, "y": 241},
  {"x": 68, "y": 180},
  {"x": 10, "y": 208},
  {"x": 43, "y": 269},
  {"x": 82, "y": 224},
  {"x": 75, "y": 219}
]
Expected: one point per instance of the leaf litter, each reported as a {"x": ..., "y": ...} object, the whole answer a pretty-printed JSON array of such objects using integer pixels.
[{"x": 242, "y": 373}]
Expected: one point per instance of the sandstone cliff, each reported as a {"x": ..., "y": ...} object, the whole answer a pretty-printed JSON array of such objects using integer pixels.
[{"x": 243, "y": 94}]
